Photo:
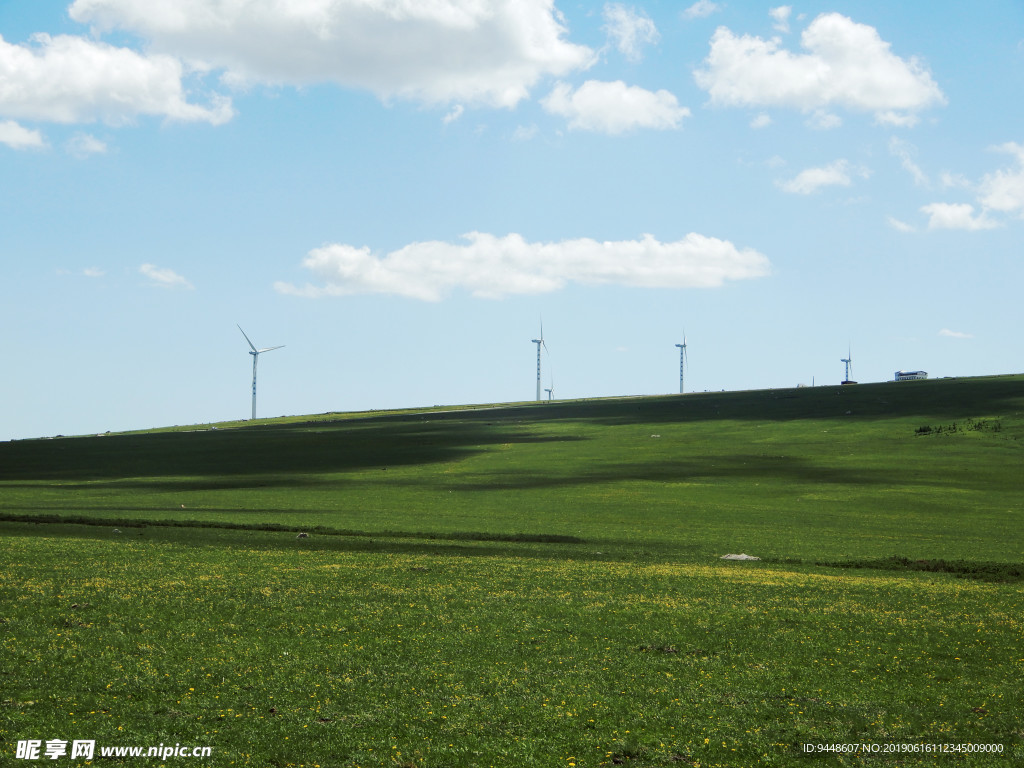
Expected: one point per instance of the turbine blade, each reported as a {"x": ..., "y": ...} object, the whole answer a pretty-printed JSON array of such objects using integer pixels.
[
  {"x": 247, "y": 338},
  {"x": 270, "y": 349}
]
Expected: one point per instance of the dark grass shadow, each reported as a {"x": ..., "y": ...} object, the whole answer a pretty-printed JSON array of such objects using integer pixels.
[
  {"x": 282, "y": 454},
  {"x": 283, "y": 538},
  {"x": 226, "y": 525},
  {"x": 738, "y": 468},
  {"x": 741, "y": 467},
  {"x": 964, "y": 569},
  {"x": 533, "y": 546},
  {"x": 277, "y": 454},
  {"x": 722, "y": 468},
  {"x": 935, "y": 399}
]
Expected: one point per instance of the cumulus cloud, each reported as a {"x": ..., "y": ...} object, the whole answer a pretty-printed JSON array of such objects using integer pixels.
[
  {"x": 999, "y": 192},
  {"x": 525, "y": 132},
  {"x": 701, "y": 9},
  {"x": 454, "y": 115},
  {"x": 846, "y": 65},
  {"x": 823, "y": 120},
  {"x": 492, "y": 267},
  {"x": 166, "y": 278},
  {"x": 443, "y": 51},
  {"x": 900, "y": 226},
  {"x": 956, "y": 216},
  {"x": 67, "y": 79},
  {"x": 18, "y": 137},
  {"x": 812, "y": 180},
  {"x": 904, "y": 151},
  {"x": 954, "y": 180},
  {"x": 955, "y": 334},
  {"x": 1003, "y": 190},
  {"x": 780, "y": 16},
  {"x": 629, "y": 29},
  {"x": 614, "y": 107},
  {"x": 761, "y": 121},
  {"x": 82, "y": 145}
]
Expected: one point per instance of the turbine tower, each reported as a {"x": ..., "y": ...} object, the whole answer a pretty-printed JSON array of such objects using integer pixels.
[
  {"x": 550, "y": 388},
  {"x": 540, "y": 343},
  {"x": 682, "y": 362},
  {"x": 848, "y": 359},
  {"x": 255, "y": 359}
]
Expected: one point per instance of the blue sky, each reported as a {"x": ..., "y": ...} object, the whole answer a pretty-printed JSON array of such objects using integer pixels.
[{"x": 399, "y": 192}]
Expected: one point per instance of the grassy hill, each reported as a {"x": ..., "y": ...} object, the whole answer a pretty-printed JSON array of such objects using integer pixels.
[
  {"x": 921, "y": 469},
  {"x": 530, "y": 584}
]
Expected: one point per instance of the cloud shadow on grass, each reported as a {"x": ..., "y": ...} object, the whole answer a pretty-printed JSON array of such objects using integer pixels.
[{"x": 267, "y": 455}]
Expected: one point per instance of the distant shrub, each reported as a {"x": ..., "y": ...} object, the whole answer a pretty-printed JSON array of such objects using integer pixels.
[
  {"x": 970, "y": 425},
  {"x": 964, "y": 569}
]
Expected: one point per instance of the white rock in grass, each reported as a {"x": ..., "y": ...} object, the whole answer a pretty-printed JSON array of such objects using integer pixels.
[{"x": 739, "y": 557}]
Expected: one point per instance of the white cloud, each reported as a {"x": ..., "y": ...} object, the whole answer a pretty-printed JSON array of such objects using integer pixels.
[
  {"x": 904, "y": 151},
  {"x": 955, "y": 334},
  {"x": 68, "y": 79},
  {"x": 614, "y": 107},
  {"x": 83, "y": 145},
  {"x": 93, "y": 272},
  {"x": 823, "y": 120},
  {"x": 846, "y": 65},
  {"x": 629, "y": 29},
  {"x": 18, "y": 137},
  {"x": 948, "y": 180},
  {"x": 492, "y": 267},
  {"x": 166, "y": 278},
  {"x": 454, "y": 115},
  {"x": 442, "y": 51},
  {"x": 956, "y": 216},
  {"x": 781, "y": 17},
  {"x": 896, "y": 119},
  {"x": 1004, "y": 190},
  {"x": 812, "y": 180},
  {"x": 761, "y": 121},
  {"x": 701, "y": 9},
  {"x": 1001, "y": 191},
  {"x": 525, "y": 132},
  {"x": 900, "y": 226}
]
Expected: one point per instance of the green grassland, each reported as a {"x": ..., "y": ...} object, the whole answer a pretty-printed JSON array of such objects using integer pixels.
[{"x": 530, "y": 584}]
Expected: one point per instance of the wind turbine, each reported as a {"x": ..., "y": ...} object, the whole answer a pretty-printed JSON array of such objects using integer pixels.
[
  {"x": 540, "y": 343},
  {"x": 848, "y": 360},
  {"x": 682, "y": 362},
  {"x": 255, "y": 359}
]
